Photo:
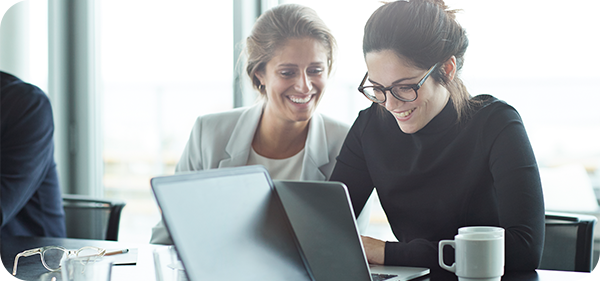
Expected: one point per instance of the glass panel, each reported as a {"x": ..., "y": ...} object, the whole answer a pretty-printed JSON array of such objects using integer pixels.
[
  {"x": 163, "y": 63},
  {"x": 38, "y": 44}
]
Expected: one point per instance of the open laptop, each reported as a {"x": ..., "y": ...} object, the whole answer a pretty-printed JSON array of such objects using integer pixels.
[
  {"x": 228, "y": 224},
  {"x": 325, "y": 226}
]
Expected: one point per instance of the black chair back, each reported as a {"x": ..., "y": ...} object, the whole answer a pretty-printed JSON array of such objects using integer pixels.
[
  {"x": 92, "y": 218},
  {"x": 569, "y": 242}
]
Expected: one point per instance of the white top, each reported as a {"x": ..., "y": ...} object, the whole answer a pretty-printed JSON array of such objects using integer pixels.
[
  {"x": 224, "y": 139},
  {"x": 279, "y": 169}
]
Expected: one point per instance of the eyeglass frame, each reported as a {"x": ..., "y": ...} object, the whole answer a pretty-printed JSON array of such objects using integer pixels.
[
  {"x": 415, "y": 87},
  {"x": 41, "y": 250}
]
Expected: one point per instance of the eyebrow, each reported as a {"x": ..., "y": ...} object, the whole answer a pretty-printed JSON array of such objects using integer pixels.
[
  {"x": 395, "y": 82},
  {"x": 295, "y": 65}
]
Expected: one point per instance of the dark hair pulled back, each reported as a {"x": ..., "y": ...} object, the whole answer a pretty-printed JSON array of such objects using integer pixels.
[{"x": 424, "y": 32}]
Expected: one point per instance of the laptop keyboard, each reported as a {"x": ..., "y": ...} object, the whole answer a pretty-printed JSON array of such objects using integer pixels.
[{"x": 381, "y": 277}]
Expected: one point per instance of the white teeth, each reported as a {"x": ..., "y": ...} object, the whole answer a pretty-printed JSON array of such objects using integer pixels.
[
  {"x": 404, "y": 113},
  {"x": 300, "y": 100}
]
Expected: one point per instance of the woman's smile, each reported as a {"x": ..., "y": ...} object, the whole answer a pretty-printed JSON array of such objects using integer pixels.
[
  {"x": 301, "y": 99},
  {"x": 294, "y": 79},
  {"x": 403, "y": 115},
  {"x": 385, "y": 69}
]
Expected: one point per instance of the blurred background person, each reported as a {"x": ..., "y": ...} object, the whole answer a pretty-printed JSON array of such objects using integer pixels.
[{"x": 30, "y": 196}]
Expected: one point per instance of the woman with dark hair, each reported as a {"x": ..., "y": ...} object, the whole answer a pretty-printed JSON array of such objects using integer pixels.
[
  {"x": 290, "y": 54},
  {"x": 439, "y": 158}
]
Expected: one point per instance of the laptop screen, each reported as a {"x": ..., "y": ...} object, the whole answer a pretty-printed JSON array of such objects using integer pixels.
[{"x": 323, "y": 221}]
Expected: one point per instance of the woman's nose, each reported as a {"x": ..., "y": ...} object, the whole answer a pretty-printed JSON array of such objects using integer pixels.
[
  {"x": 303, "y": 84},
  {"x": 391, "y": 102}
]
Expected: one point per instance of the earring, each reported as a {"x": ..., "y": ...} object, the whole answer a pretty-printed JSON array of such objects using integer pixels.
[{"x": 261, "y": 87}]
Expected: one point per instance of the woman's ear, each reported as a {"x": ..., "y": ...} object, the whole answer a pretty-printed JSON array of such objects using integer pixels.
[
  {"x": 449, "y": 68},
  {"x": 260, "y": 76}
]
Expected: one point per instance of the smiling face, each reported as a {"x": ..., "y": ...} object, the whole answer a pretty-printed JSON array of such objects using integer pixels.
[
  {"x": 386, "y": 69},
  {"x": 294, "y": 80}
]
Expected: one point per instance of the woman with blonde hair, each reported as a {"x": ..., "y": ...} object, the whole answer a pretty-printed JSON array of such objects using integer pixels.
[{"x": 290, "y": 56}]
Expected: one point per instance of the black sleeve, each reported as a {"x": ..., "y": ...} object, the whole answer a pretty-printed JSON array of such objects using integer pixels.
[
  {"x": 351, "y": 168},
  {"x": 26, "y": 146},
  {"x": 519, "y": 191}
]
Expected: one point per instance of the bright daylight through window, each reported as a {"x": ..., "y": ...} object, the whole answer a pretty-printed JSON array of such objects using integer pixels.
[{"x": 154, "y": 85}]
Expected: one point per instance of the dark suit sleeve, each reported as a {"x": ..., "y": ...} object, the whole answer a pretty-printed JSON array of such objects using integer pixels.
[{"x": 26, "y": 147}]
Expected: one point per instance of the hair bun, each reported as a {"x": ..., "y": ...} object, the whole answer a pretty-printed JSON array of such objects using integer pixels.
[{"x": 442, "y": 5}]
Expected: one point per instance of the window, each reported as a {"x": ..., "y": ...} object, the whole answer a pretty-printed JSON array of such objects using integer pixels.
[
  {"x": 163, "y": 63},
  {"x": 24, "y": 51}
]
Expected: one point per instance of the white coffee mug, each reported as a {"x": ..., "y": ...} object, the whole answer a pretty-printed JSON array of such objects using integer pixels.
[
  {"x": 479, "y": 253},
  {"x": 492, "y": 230}
]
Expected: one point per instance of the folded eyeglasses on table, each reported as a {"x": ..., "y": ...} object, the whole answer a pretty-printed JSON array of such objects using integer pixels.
[{"x": 53, "y": 256}]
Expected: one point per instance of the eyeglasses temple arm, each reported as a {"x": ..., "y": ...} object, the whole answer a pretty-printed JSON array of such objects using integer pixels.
[
  {"x": 24, "y": 254},
  {"x": 426, "y": 75},
  {"x": 360, "y": 87}
]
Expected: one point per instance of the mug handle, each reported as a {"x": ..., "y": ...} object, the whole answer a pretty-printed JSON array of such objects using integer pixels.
[{"x": 443, "y": 243}]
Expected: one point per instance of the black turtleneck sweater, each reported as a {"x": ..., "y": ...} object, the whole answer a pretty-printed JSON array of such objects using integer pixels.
[{"x": 481, "y": 171}]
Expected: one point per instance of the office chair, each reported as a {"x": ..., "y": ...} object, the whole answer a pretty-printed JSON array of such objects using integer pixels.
[
  {"x": 569, "y": 242},
  {"x": 92, "y": 218}
]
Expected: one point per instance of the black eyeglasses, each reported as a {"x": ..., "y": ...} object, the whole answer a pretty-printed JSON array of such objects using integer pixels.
[{"x": 406, "y": 92}]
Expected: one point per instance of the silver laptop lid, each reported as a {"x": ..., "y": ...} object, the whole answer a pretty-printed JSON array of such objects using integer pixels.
[{"x": 227, "y": 224}]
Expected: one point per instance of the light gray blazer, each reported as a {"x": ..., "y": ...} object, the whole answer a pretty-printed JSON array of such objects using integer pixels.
[{"x": 224, "y": 139}]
